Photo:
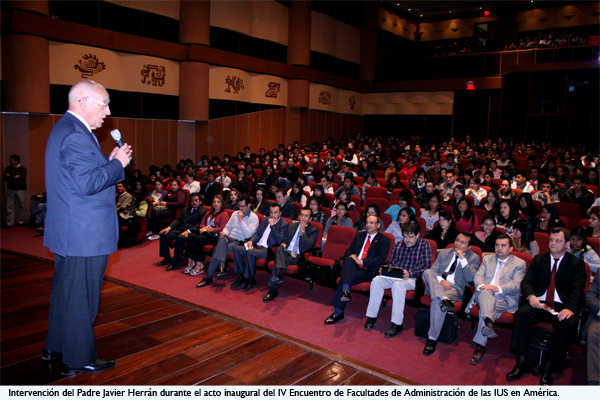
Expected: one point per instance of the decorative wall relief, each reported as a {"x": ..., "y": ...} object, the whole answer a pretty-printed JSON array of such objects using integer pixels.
[
  {"x": 352, "y": 102},
  {"x": 274, "y": 88},
  {"x": 89, "y": 65},
  {"x": 234, "y": 83},
  {"x": 153, "y": 75},
  {"x": 325, "y": 98}
]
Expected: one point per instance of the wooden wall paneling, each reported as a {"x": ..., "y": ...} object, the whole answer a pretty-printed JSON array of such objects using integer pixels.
[
  {"x": 185, "y": 132},
  {"x": 173, "y": 143},
  {"x": 16, "y": 141},
  {"x": 204, "y": 142},
  {"x": 276, "y": 127},
  {"x": 337, "y": 122},
  {"x": 313, "y": 122},
  {"x": 292, "y": 125},
  {"x": 322, "y": 125},
  {"x": 283, "y": 131},
  {"x": 40, "y": 126},
  {"x": 107, "y": 143},
  {"x": 216, "y": 146},
  {"x": 244, "y": 134},
  {"x": 344, "y": 124},
  {"x": 253, "y": 122},
  {"x": 144, "y": 140},
  {"x": 263, "y": 133},
  {"x": 160, "y": 140},
  {"x": 329, "y": 125},
  {"x": 303, "y": 128},
  {"x": 127, "y": 128},
  {"x": 231, "y": 143}
]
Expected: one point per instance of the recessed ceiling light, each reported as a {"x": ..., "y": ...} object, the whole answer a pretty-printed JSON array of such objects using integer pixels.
[
  {"x": 409, "y": 9},
  {"x": 450, "y": 12},
  {"x": 480, "y": 8},
  {"x": 421, "y": 15}
]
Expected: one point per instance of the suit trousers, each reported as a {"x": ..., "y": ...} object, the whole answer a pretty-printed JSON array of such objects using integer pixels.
[
  {"x": 74, "y": 303},
  {"x": 489, "y": 307},
  {"x": 180, "y": 242},
  {"x": 224, "y": 247},
  {"x": 352, "y": 274},
  {"x": 527, "y": 317},
  {"x": 248, "y": 269},
  {"x": 438, "y": 293},
  {"x": 399, "y": 288},
  {"x": 593, "y": 351},
  {"x": 14, "y": 199},
  {"x": 282, "y": 260},
  {"x": 156, "y": 218}
]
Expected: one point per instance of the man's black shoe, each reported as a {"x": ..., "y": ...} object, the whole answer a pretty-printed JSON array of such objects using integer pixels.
[
  {"x": 97, "y": 366},
  {"x": 370, "y": 323},
  {"x": 346, "y": 296},
  {"x": 429, "y": 347},
  {"x": 446, "y": 305},
  {"x": 204, "y": 282},
  {"x": 238, "y": 282},
  {"x": 332, "y": 319},
  {"x": 393, "y": 331},
  {"x": 48, "y": 355},
  {"x": 270, "y": 296},
  {"x": 172, "y": 267},
  {"x": 251, "y": 283},
  {"x": 165, "y": 261},
  {"x": 546, "y": 375},
  {"x": 519, "y": 370}
]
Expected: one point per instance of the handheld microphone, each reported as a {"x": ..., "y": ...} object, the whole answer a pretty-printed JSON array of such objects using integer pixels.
[{"x": 117, "y": 136}]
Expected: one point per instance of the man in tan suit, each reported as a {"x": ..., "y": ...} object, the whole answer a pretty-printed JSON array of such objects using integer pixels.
[{"x": 498, "y": 286}]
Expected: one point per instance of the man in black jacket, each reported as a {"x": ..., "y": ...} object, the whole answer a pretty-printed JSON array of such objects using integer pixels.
[
  {"x": 288, "y": 208},
  {"x": 554, "y": 282},
  {"x": 364, "y": 257},
  {"x": 179, "y": 230},
  {"x": 300, "y": 238},
  {"x": 211, "y": 188}
]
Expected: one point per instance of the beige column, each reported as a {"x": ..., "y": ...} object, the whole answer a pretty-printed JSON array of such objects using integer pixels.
[
  {"x": 368, "y": 40},
  {"x": 299, "y": 33},
  {"x": 26, "y": 73},
  {"x": 193, "y": 91},
  {"x": 194, "y": 22}
]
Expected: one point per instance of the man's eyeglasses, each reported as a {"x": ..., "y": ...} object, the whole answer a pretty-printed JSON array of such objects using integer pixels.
[{"x": 103, "y": 104}]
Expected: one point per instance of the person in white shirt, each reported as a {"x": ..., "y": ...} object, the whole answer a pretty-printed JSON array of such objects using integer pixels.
[
  {"x": 521, "y": 183},
  {"x": 223, "y": 178},
  {"x": 192, "y": 184},
  {"x": 476, "y": 191}
]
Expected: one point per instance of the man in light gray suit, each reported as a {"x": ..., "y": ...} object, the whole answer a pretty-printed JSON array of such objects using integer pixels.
[
  {"x": 445, "y": 281},
  {"x": 498, "y": 286}
]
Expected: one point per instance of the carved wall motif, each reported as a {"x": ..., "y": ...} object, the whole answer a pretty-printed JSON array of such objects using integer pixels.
[
  {"x": 89, "y": 65},
  {"x": 325, "y": 98},
  {"x": 234, "y": 83},
  {"x": 153, "y": 75},
  {"x": 274, "y": 88}
]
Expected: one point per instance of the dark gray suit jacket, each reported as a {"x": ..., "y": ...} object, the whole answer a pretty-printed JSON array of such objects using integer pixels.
[{"x": 276, "y": 235}]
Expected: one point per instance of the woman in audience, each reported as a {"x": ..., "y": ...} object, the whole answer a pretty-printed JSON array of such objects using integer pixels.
[
  {"x": 548, "y": 220},
  {"x": 507, "y": 216},
  {"x": 241, "y": 182},
  {"x": 370, "y": 181},
  {"x": 267, "y": 178},
  {"x": 224, "y": 179},
  {"x": 525, "y": 205},
  {"x": 506, "y": 193},
  {"x": 191, "y": 183},
  {"x": 346, "y": 199},
  {"x": 260, "y": 205},
  {"x": 432, "y": 212},
  {"x": 509, "y": 174},
  {"x": 445, "y": 232},
  {"x": 232, "y": 201},
  {"x": 404, "y": 198},
  {"x": 207, "y": 233},
  {"x": 457, "y": 195},
  {"x": 314, "y": 203},
  {"x": 303, "y": 180},
  {"x": 289, "y": 174},
  {"x": 137, "y": 208},
  {"x": 165, "y": 208},
  {"x": 485, "y": 239},
  {"x": 523, "y": 239},
  {"x": 407, "y": 214},
  {"x": 492, "y": 203},
  {"x": 331, "y": 176},
  {"x": 394, "y": 183},
  {"x": 296, "y": 194},
  {"x": 158, "y": 193},
  {"x": 276, "y": 165},
  {"x": 326, "y": 185},
  {"x": 593, "y": 229},
  {"x": 364, "y": 169},
  {"x": 581, "y": 248},
  {"x": 250, "y": 171},
  {"x": 463, "y": 213},
  {"x": 562, "y": 177},
  {"x": 372, "y": 209},
  {"x": 392, "y": 169},
  {"x": 320, "y": 194},
  {"x": 152, "y": 178},
  {"x": 340, "y": 218},
  {"x": 350, "y": 157}
]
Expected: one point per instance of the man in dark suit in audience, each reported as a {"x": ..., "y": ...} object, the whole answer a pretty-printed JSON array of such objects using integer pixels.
[
  {"x": 179, "y": 230},
  {"x": 554, "y": 282},
  {"x": 364, "y": 257},
  {"x": 288, "y": 208},
  {"x": 300, "y": 238},
  {"x": 271, "y": 232},
  {"x": 498, "y": 285},
  {"x": 592, "y": 301},
  {"x": 211, "y": 188},
  {"x": 445, "y": 281}
]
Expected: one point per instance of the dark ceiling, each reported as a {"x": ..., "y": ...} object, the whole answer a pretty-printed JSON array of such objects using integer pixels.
[{"x": 430, "y": 10}]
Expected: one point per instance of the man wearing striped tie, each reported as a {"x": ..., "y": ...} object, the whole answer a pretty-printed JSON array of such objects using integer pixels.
[
  {"x": 497, "y": 289},
  {"x": 368, "y": 251}
]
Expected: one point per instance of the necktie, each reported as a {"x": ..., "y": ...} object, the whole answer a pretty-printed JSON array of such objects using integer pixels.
[
  {"x": 452, "y": 268},
  {"x": 499, "y": 296},
  {"x": 193, "y": 210},
  {"x": 96, "y": 139},
  {"x": 552, "y": 285},
  {"x": 366, "y": 249}
]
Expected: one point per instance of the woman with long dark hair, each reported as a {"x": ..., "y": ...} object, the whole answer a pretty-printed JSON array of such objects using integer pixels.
[
  {"x": 463, "y": 213},
  {"x": 485, "y": 239},
  {"x": 296, "y": 194},
  {"x": 523, "y": 239},
  {"x": 507, "y": 216},
  {"x": 260, "y": 205},
  {"x": 492, "y": 203},
  {"x": 372, "y": 209},
  {"x": 445, "y": 232},
  {"x": 525, "y": 205},
  {"x": 548, "y": 220},
  {"x": 406, "y": 214},
  {"x": 432, "y": 212}
]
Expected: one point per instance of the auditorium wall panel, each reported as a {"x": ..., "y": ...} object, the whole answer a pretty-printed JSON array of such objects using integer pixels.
[
  {"x": 203, "y": 143},
  {"x": 144, "y": 144},
  {"x": 232, "y": 140},
  {"x": 173, "y": 140},
  {"x": 40, "y": 126},
  {"x": 253, "y": 126},
  {"x": 303, "y": 127},
  {"x": 292, "y": 126},
  {"x": 261, "y": 135},
  {"x": 185, "y": 140},
  {"x": 282, "y": 134},
  {"x": 127, "y": 127},
  {"x": 321, "y": 125},
  {"x": 313, "y": 121},
  {"x": 160, "y": 142},
  {"x": 276, "y": 128},
  {"x": 216, "y": 134}
]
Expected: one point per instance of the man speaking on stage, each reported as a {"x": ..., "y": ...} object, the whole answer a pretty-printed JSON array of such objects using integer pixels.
[{"x": 81, "y": 226}]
